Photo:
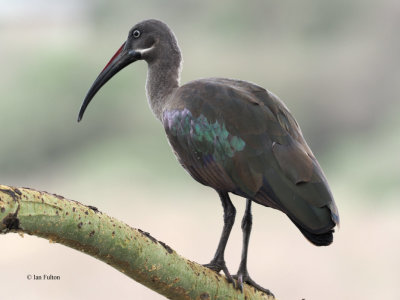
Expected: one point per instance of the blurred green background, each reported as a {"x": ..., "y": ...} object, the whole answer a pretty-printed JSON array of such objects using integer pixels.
[{"x": 336, "y": 64}]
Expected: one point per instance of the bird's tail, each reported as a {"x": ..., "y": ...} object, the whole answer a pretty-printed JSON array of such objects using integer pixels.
[
  {"x": 323, "y": 238},
  {"x": 309, "y": 206}
]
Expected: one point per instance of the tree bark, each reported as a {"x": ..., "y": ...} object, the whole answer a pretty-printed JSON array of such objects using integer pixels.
[{"x": 132, "y": 251}]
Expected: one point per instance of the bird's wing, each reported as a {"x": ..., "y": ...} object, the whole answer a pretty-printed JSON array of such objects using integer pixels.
[{"x": 237, "y": 136}]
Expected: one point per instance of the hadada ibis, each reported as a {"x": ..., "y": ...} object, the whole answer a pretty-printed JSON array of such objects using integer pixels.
[{"x": 233, "y": 136}]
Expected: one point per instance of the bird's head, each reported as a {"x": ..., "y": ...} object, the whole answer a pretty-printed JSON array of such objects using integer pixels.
[{"x": 149, "y": 40}]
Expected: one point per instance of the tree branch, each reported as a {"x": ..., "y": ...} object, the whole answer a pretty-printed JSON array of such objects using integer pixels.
[{"x": 133, "y": 252}]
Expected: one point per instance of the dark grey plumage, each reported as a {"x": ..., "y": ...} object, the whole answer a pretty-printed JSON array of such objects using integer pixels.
[{"x": 233, "y": 136}]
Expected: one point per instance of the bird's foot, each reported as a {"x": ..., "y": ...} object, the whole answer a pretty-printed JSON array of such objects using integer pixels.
[
  {"x": 217, "y": 266},
  {"x": 243, "y": 276}
]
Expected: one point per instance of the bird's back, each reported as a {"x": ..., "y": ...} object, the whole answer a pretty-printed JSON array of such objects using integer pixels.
[{"x": 237, "y": 137}]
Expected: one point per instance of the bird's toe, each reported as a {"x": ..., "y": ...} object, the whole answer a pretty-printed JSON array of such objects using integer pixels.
[
  {"x": 245, "y": 278},
  {"x": 213, "y": 266},
  {"x": 239, "y": 279},
  {"x": 217, "y": 266}
]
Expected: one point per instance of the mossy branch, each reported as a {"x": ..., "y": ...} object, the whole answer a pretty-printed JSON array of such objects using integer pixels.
[{"x": 133, "y": 252}]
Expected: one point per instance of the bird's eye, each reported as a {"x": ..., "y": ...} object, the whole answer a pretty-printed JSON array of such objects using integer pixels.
[{"x": 136, "y": 33}]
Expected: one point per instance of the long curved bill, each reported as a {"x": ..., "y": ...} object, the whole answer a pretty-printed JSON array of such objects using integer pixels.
[{"x": 120, "y": 60}]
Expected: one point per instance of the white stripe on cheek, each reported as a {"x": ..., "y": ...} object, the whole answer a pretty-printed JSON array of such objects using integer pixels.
[{"x": 145, "y": 51}]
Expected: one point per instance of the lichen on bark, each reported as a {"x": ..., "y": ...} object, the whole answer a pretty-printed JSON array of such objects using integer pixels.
[{"x": 132, "y": 251}]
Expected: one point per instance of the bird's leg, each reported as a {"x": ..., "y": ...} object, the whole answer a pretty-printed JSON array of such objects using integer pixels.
[
  {"x": 218, "y": 262},
  {"x": 242, "y": 274}
]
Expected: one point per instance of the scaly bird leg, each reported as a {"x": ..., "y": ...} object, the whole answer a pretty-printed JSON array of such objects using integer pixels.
[
  {"x": 218, "y": 262},
  {"x": 242, "y": 274}
]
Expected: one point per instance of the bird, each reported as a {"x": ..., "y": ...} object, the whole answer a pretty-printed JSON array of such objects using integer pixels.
[{"x": 233, "y": 136}]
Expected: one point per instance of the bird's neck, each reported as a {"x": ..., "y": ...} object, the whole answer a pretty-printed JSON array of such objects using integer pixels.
[{"x": 162, "y": 81}]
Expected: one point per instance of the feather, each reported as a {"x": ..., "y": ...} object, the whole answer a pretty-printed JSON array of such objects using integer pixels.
[{"x": 237, "y": 137}]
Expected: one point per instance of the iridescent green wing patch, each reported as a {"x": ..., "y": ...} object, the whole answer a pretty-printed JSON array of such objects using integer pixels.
[{"x": 205, "y": 137}]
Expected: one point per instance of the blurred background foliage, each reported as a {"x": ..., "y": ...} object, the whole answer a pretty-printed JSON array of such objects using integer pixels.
[{"x": 334, "y": 63}]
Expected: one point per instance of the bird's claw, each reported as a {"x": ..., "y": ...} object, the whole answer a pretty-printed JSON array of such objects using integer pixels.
[
  {"x": 239, "y": 279},
  {"x": 245, "y": 278},
  {"x": 217, "y": 266}
]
